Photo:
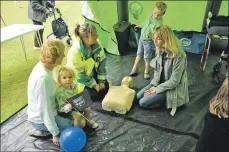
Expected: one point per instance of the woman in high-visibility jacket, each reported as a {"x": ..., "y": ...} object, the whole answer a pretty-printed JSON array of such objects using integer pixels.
[{"x": 88, "y": 58}]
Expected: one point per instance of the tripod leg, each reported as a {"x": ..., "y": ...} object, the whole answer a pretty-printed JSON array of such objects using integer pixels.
[
  {"x": 3, "y": 21},
  {"x": 205, "y": 54}
]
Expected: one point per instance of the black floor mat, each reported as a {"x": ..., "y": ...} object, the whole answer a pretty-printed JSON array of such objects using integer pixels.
[{"x": 138, "y": 130}]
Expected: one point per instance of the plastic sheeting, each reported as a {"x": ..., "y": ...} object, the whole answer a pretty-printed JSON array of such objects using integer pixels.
[{"x": 138, "y": 130}]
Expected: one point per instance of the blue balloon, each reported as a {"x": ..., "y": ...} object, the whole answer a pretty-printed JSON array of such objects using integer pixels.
[{"x": 73, "y": 139}]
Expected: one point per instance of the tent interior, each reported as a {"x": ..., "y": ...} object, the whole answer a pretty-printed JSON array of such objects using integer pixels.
[{"x": 140, "y": 129}]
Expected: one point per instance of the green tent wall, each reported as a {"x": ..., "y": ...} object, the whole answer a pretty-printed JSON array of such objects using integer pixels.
[{"x": 180, "y": 15}]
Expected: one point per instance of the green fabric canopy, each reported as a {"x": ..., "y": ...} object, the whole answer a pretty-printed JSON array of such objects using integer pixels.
[{"x": 180, "y": 15}]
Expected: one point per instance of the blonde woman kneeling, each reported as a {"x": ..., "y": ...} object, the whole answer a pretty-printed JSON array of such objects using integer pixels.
[{"x": 169, "y": 83}]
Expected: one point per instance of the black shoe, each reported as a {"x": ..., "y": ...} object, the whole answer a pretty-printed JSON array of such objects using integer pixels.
[{"x": 133, "y": 72}]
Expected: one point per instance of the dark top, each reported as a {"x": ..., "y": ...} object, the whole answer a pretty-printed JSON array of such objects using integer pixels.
[
  {"x": 37, "y": 9},
  {"x": 162, "y": 79},
  {"x": 215, "y": 135}
]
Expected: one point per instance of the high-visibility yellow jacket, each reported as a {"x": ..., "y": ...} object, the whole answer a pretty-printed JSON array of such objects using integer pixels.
[{"x": 83, "y": 63}]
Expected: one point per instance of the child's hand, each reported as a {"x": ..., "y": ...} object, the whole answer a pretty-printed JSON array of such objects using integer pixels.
[
  {"x": 102, "y": 86},
  {"x": 70, "y": 106},
  {"x": 97, "y": 87},
  {"x": 137, "y": 26}
]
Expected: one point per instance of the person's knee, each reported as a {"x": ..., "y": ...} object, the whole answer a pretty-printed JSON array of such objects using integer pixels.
[
  {"x": 139, "y": 55},
  {"x": 76, "y": 115},
  {"x": 149, "y": 55},
  {"x": 147, "y": 58},
  {"x": 143, "y": 103},
  {"x": 140, "y": 52},
  {"x": 139, "y": 95},
  {"x": 147, "y": 61},
  {"x": 87, "y": 110},
  {"x": 82, "y": 122}
]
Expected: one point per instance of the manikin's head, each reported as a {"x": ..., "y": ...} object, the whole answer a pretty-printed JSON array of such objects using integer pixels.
[
  {"x": 127, "y": 81},
  {"x": 66, "y": 77}
]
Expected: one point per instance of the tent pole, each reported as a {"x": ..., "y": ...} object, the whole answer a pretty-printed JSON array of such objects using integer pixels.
[
  {"x": 213, "y": 6},
  {"x": 122, "y": 10},
  {"x": 122, "y": 27}
]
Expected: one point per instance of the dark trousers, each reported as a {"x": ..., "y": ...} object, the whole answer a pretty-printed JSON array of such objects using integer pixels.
[
  {"x": 40, "y": 32},
  {"x": 97, "y": 96}
]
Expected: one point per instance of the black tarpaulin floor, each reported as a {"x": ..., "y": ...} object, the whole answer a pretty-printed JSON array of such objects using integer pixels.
[{"x": 138, "y": 130}]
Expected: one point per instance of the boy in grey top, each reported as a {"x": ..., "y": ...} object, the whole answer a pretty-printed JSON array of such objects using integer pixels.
[{"x": 145, "y": 46}]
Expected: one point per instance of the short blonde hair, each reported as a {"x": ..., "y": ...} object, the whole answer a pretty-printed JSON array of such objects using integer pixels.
[
  {"x": 219, "y": 104},
  {"x": 161, "y": 6},
  {"x": 127, "y": 80},
  {"x": 61, "y": 71},
  {"x": 171, "y": 42},
  {"x": 51, "y": 50}
]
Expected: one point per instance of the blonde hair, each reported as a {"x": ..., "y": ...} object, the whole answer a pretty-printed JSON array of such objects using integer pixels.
[
  {"x": 219, "y": 104},
  {"x": 85, "y": 30},
  {"x": 61, "y": 71},
  {"x": 171, "y": 42},
  {"x": 127, "y": 80},
  {"x": 51, "y": 51},
  {"x": 161, "y": 6}
]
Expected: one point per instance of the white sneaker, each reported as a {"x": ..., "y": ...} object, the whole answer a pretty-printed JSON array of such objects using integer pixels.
[
  {"x": 36, "y": 48},
  {"x": 146, "y": 76},
  {"x": 38, "y": 133}
]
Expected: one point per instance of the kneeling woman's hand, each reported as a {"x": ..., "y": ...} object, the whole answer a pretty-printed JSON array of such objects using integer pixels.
[
  {"x": 102, "y": 86},
  {"x": 151, "y": 90},
  {"x": 55, "y": 140},
  {"x": 97, "y": 87}
]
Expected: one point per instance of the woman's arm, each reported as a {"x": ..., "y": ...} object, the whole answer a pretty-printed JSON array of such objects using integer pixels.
[
  {"x": 86, "y": 80},
  {"x": 80, "y": 67},
  {"x": 102, "y": 63},
  {"x": 179, "y": 66},
  {"x": 43, "y": 91},
  {"x": 156, "y": 68}
]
